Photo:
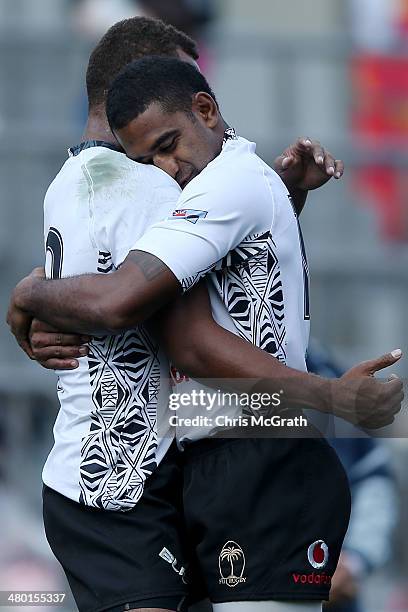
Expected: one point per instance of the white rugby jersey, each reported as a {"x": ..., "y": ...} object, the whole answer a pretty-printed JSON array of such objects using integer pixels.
[
  {"x": 106, "y": 441},
  {"x": 235, "y": 222}
]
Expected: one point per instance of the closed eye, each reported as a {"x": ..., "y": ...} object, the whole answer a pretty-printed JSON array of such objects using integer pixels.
[
  {"x": 168, "y": 147},
  {"x": 159, "y": 148}
]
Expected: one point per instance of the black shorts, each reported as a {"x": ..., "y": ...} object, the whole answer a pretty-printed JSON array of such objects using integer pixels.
[
  {"x": 267, "y": 517},
  {"x": 122, "y": 560}
]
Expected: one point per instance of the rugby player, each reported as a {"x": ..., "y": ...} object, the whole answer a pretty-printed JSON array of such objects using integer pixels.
[
  {"x": 202, "y": 147},
  {"x": 103, "y": 459}
]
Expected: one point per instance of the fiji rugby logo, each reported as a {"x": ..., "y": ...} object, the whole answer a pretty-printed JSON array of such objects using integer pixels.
[
  {"x": 231, "y": 562},
  {"x": 189, "y": 214},
  {"x": 318, "y": 554}
]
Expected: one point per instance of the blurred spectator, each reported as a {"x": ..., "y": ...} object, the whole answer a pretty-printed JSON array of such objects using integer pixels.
[
  {"x": 380, "y": 113},
  {"x": 94, "y": 17},
  {"x": 186, "y": 15},
  {"x": 25, "y": 560},
  {"x": 373, "y": 23},
  {"x": 26, "y": 563},
  {"x": 368, "y": 543},
  {"x": 190, "y": 16}
]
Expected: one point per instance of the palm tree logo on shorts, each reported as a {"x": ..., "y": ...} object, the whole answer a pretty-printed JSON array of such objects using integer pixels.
[{"x": 231, "y": 562}]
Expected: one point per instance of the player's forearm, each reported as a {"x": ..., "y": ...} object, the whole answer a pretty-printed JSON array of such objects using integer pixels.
[
  {"x": 220, "y": 358},
  {"x": 97, "y": 303},
  {"x": 82, "y": 304}
]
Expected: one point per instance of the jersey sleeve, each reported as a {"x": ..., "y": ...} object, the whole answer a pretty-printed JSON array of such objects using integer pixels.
[
  {"x": 214, "y": 214},
  {"x": 126, "y": 208}
]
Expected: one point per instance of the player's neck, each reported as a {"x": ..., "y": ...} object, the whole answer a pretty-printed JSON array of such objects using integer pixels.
[{"x": 97, "y": 128}]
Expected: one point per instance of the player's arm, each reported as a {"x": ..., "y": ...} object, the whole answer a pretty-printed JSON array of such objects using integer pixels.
[
  {"x": 95, "y": 303},
  {"x": 202, "y": 349},
  {"x": 306, "y": 165}
]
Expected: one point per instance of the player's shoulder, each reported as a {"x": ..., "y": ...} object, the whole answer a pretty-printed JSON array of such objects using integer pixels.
[
  {"x": 109, "y": 180},
  {"x": 237, "y": 155},
  {"x": 236, "y": 170},
  {"x": 109, "y": 169},
  {"x": 106, "y": 169},
  {"x": 246, "y": 161}
]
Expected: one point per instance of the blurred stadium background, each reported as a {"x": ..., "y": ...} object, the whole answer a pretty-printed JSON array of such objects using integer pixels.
[{"x": 336, "y": 71}]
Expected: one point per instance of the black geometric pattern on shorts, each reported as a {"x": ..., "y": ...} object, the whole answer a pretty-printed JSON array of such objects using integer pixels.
[
  {"x": 250, "y": 286},
  {"x": 119, "y": 451}
]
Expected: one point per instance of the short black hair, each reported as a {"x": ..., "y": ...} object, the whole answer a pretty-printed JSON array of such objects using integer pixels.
[
  {"x": 169, "y": 81},
  {"x": 126, "y": 41}
]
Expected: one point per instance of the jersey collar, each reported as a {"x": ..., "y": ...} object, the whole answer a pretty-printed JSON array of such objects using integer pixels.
[
  {"x": 88, "y": 144},
  {"x": 230, "y": 134}
]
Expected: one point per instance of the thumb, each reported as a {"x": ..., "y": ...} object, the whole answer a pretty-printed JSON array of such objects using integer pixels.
[{"x": 375, "y": 365}]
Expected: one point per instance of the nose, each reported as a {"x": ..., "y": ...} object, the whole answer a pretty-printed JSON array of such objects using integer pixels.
[{"x": 166, "y": 163}]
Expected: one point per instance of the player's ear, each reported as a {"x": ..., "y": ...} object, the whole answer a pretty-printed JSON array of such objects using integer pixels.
[{"x": 206, "y": 108}]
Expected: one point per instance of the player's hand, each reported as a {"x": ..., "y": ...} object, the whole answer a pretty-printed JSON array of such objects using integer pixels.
[
  {"x": 18, "y": 320},
  {"x": 307, "y": 165},
  {"x": 54, "y": 350},
  {"x": 365, "y": 401}
]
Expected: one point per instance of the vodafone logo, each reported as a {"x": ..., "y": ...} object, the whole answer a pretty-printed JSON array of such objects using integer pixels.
[
  {"x": 318, "y": 554},
  {"x": 323, "y": 579}
]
